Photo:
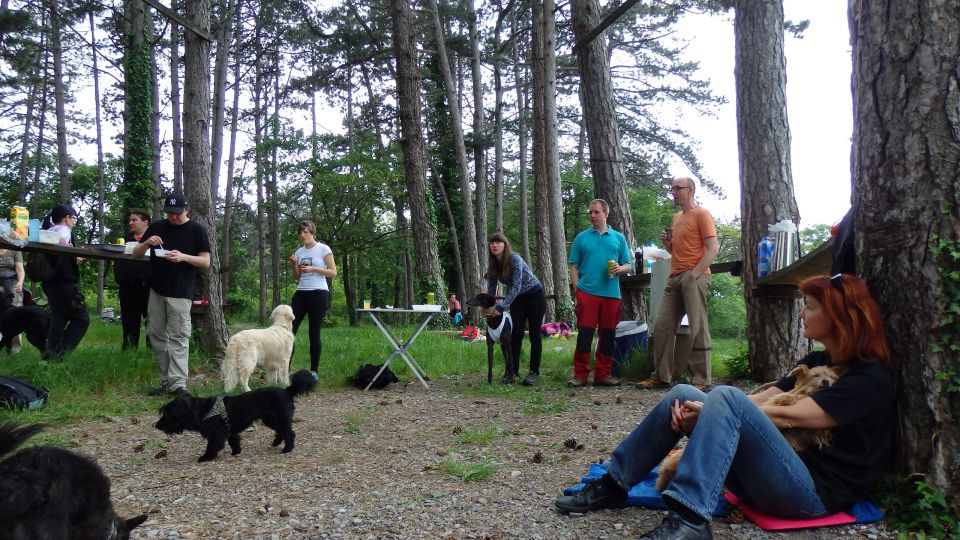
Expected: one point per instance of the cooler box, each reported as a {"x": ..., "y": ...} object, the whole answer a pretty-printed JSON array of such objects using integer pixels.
[{"x": 629, "y": 336}]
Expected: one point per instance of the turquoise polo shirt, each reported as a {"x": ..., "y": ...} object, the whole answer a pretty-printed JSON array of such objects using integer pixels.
[{"x": 590, "y": 252}]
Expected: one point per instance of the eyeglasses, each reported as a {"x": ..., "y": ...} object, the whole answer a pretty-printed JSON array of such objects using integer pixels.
[{"x": 678, "y": 188}]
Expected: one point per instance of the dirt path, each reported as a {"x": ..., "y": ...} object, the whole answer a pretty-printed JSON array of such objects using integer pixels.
[{"x": 378, "y": 464}]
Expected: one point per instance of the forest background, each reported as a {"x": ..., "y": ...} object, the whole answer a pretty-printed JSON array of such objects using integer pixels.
[{"x": 291, "y": 72}]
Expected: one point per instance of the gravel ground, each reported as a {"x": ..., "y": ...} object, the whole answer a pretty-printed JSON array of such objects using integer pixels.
[{"x": 376, "y": 465}]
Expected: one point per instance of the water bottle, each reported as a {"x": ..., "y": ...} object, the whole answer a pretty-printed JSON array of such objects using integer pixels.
[{"x": 764, "y": 253}]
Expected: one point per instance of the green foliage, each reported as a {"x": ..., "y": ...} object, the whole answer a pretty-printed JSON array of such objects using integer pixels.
[
  {"x": 947, "y": 335},
  {"x": 917, "y": 509},
  {"x": 814, "y": 236},
  {"x": 138, "y": 186},
  {"x": 468, "y": 471},
  {"x": 726, "y": 308},
  {"x": 737, "y": 364}
]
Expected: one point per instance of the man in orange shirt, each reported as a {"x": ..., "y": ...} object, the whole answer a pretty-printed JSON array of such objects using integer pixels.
[{"x": 693, "y": 246}]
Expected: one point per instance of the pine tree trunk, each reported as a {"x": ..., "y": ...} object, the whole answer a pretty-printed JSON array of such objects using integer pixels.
[
  {"x": 42, "y": 115},
  {"x": 59, "y": 94},
  {"x": 603, "y": 135},
  {"x": 25, "y": 143},
  {"x": 153, "y": 202},
  {"x": 479, "y": 144},
  {"x": 541, "y": 188},
  {"x": 230, "y": 190},
  {"x": 774, "y": 333},
  {"x": 224, "y": 38},
  {"x": 196, "y": 165},
  {"x": 905, "y": 203},
  {"x": 560, "y": 288},
  {"x": 522, "y": 129},
  {"x": 471, "y": 264},
  {"x": 426, "y": 259},
  {"x": 274, "y": 194},
  {"x": 175, "y": 102},
  {"x": 101, "y": 265}
]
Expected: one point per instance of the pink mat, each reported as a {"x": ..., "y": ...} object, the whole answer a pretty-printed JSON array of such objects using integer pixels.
[{"x": 772, "y": 523}]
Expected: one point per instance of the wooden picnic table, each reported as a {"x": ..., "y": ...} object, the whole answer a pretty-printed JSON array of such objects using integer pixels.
[{"x": 88, "y": 251}]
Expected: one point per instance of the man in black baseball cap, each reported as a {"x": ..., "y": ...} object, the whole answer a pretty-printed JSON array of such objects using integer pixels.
[{"x": 178, "y": 248}]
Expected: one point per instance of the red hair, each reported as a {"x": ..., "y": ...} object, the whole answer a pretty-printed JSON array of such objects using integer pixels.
[{"x": 855, "y": 317}]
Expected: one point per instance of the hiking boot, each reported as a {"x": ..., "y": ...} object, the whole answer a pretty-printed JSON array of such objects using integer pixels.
[
  {"x": 509, "y": 378},
  {"x": 530, "y": 379},
  {"x": 595, "y": 495},
  {"x": 609, "y": 381},
  {"x": 576, "y": 383},
  {"x": 160, "y": 390},
  {"x": 674, "y": 527},
  {"x": 181, "y": 392}
]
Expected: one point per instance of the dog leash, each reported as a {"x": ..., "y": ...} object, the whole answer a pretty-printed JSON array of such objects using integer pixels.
[{"x": 218, "y": 409}]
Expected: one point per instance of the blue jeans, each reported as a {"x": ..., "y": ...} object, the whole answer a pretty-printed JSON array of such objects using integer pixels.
[{"x": 733, "y": 443}]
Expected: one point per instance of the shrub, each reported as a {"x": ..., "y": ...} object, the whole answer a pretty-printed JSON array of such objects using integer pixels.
[{"x": 738, "y": 364}]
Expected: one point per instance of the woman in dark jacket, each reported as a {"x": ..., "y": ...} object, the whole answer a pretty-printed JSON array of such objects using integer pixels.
[
  {"x": 68, "y": 310},
  {"x": 525, "y": 299}
]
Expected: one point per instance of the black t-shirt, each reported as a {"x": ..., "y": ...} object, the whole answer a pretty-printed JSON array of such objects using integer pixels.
[
  {"x": 861, "y": 402},
  {"x": 131, "y": 272},
  {"x": 175, "y": 280}
]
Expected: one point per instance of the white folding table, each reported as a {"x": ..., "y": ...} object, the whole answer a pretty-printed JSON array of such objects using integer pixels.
[{"x": 401, "y": 348}]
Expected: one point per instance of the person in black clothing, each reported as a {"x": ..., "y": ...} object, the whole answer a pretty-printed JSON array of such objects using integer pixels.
[
  {"x": 68, "y": 310},
  {"x": 133, "y": 280},
  {"x": 179, "y": 248},
  {"x": 734, "y": 440}
]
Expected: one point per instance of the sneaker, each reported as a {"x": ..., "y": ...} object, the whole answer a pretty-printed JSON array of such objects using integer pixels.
[
  {"x": 181, "y": 392},
  {"x": 315, "y": 376},
  {"x": 609, "y": 381},
  {"x": 595, "y": 495},
  {"x": 674, "y": 527},
  {"x": 509, "y": 378},
  {"x": 160, "y": 390},
  {"x": 530, "y": 379},
  {"x": 576, "y": 382}
]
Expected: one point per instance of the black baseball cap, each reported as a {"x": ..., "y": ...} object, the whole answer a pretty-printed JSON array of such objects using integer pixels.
[{"x": 175, "y": 203}]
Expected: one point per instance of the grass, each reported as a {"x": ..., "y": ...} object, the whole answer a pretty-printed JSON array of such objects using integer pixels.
[
  {"x": 98, "y": 380},
  {"x": 470, "y": 471}
]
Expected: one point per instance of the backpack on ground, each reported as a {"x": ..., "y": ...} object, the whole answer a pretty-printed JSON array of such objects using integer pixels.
[
  {"x": 19, "y": 394},
  {"x": 38, "y": 267}
]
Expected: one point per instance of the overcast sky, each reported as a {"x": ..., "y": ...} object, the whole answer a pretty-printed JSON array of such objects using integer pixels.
[{"x": 819, "y": 105}]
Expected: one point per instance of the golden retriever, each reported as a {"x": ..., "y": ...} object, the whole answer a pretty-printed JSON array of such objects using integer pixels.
[
  {"x": 808, "y": 381},
  {"x": 269, "y": 347}
]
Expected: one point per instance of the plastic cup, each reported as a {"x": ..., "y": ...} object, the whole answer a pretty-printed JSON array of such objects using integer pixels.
[
  {"x": 367, "y": 304},
  {"x": 610, "y": 264},
  {"x": 431, "y": 297}
]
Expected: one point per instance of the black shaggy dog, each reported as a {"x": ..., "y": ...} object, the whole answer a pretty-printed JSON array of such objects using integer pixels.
[
  {"x": 15, "y": 320},
  {"x": 222, "y": 419},
  {"x": 364, "y": 377},
  {"x": 54, "y": 494}
]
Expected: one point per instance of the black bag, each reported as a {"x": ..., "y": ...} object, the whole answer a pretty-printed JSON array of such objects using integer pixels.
[
  {"x": 367, "y": 372},
  {"x": 19, "y": 394},
  {"x": 844, "y": 251},
  {"x": 38, "y": 267}
]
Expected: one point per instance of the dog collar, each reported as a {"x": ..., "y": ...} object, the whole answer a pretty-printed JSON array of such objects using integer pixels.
[{"x": 218, "y": 409}]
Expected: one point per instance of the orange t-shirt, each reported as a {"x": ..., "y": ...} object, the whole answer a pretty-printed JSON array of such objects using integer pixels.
[{"x": 689, "y": 231}]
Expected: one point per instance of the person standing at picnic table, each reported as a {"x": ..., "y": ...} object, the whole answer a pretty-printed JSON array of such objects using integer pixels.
[
  {"x": 312, "y": 264},
  {"x": 12, "y": 274},
  {"x": 133, "y": 283},
  {"x": 734, "y": 440},
  {"x": 526, "y": 301},
  {"x": 68, "y": 309},
  {"x": 692, "y": 242},
  {"x": 172, "y": 277},
  {"x": 598, "y": 257}
]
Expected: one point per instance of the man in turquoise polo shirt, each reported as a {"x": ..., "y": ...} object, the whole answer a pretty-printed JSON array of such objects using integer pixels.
[{"x": 598, "y": 256}]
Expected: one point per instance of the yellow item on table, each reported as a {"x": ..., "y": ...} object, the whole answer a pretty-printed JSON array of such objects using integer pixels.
[{"x": 20, "y": 220}]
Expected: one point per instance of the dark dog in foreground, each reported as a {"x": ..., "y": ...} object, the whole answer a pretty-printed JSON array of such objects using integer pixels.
[
  {"x": 499, "y": 329},
  {"x": 16, "y": 320},
  {"x": 54, "y": 494},
  {"x": 222, "y": 419}
]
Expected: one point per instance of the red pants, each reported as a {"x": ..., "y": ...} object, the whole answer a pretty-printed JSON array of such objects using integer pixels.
[{"x": 595, "y": 312}]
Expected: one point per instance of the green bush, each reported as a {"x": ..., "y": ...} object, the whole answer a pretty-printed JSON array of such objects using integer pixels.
[
  {"x": 738, "y": 364},
  {"x": 917, "y": 509}
]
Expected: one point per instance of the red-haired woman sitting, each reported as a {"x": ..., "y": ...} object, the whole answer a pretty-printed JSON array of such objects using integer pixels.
[{"x": 734, "y": 441}]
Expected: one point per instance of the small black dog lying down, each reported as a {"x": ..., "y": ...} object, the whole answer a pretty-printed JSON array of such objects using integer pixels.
[
  {"x": 15, "y": 320},
  {"x": 365, "y": 374},
  {"x": 54, "y": 494},
  {"x": 499, "y": 330},
  {"x": 222, "y": 419}
]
